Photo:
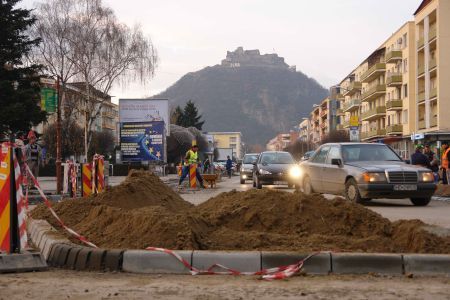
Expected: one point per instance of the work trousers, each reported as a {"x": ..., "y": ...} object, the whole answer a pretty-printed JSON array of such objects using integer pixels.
[
  {"x": 34, "y": 168},
  {"x": 185, "y": 173}
]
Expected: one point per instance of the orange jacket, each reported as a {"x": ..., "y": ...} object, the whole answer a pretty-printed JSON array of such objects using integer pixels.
[{"x": 444, "y": 161}]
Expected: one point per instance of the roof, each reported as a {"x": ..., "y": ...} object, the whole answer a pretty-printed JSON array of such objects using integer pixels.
[{"x": 422, "y": 6}]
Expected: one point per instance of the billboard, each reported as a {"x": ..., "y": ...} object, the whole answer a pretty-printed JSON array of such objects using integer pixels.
[
  {"x": 142, "y": 141},
  {"x": 144, "y": 110},
  {"x": 49, "y": 100}
]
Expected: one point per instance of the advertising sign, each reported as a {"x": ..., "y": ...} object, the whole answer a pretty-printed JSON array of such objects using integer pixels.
[
  {"x": 354, "y": 134},
  {"x": 354, "y": 121},
  {"x": 48, "y": 99},
  {"x": 144, "y": 110},
  {"x": 142, "y": 141}
]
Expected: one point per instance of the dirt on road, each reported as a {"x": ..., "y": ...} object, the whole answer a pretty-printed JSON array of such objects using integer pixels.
[{"x": 143, "y": 212}]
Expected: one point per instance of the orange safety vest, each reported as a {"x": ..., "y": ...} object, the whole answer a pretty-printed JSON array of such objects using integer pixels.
[{"x": 444, "y": 161}]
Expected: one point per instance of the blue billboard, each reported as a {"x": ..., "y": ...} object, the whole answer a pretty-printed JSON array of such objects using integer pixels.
[{"x": 142, "y": 141}]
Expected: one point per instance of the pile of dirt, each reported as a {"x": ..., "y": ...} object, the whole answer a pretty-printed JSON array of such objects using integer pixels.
[{"x": 252, "y": 220}]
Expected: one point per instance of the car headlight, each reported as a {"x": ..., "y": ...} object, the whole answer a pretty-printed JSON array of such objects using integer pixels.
[
  {"x": 426, "y": 176},
  {"x": 295, "y": 172},
  {"x": 374, "y": 177},
  {"x": 264, "y": 172}
]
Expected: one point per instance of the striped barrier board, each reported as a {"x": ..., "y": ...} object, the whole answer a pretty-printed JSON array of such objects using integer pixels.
[
  {"x": 192, "y": 177},
  {"x": 87, "y": 179},
  {"x": 100, "y": 174},
  {"x": 5, "y": 197},
  {"x": 21, "y": 205}
]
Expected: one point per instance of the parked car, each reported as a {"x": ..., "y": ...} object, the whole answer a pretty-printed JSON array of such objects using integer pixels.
[
  {"x": 307, "y": 155},
  {"x": 276, "y": 167},
  {"x": 247, "y": 166},
  {"x": 362, "y": 171}
]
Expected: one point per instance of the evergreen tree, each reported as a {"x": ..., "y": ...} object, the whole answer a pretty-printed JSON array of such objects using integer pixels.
[
  {"x": 19, "y": 84},
  {"x": 177, "y": 116},
  {"x": 190, "y": 117}
]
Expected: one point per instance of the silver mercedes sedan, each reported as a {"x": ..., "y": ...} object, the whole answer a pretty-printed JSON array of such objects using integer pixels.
[{"x": 364, "y": 171}]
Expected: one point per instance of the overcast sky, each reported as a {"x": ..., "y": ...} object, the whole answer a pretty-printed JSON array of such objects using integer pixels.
[{"x": 325, "y": 39}]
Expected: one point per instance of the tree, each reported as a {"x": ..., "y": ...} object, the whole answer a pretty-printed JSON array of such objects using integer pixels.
[
  {"x": 72, "y": 139},
  {"x": 102, "y": 143},
  {"x": 177, "y": 116},
  {"x": 336, "y": 136},
  {"x": 190, "y": 116},
  {"x": 298, "y": 148},
  {"x": 19, "y": 83}
]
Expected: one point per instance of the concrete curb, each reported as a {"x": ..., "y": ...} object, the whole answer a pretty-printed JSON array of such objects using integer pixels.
[{"x": 60, "y": 252}]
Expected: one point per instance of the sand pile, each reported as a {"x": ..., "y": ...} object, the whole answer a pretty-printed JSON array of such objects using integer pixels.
[{"x": 150, "y": 214}]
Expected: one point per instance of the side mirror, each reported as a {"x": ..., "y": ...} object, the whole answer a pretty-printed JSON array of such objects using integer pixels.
[{"x": 336, "y": 162}]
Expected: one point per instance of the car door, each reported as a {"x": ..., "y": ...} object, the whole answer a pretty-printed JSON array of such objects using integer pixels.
[
  {"x": 315, "y": 166},
  {"x": 333, "y": 177}
]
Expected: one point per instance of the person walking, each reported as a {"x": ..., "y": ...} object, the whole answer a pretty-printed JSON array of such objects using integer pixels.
[
  {"x": 206, "y": 165},
  {"x": 229, "y": 166},
  {"x": 190, "y": 159},
  {"x": 434, "y": 162},
  {"x": 420, "y": 159},
  {"x": 445, "y": 162},
  {"x": 32, "y": 155}
]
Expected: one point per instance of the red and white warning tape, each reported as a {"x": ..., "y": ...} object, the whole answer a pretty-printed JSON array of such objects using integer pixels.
[
  {"x": 22, "y": 204},
  {"x": 49, "y": 205},
  {"x": 268, "y": 274}
]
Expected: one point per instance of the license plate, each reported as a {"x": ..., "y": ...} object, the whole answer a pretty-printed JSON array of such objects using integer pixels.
[
  {"x": 405, "y": 187},
  {"x": 279, "y": 182}
]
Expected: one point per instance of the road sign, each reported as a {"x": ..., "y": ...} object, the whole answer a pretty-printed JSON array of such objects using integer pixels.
[
  {"x": 417, "y": 136},
  {"x": 354, "y": 121},
  {"x": 354, "y": 134},
  {"x": 48, "y": 99},
  {"x": 48, "y": 81}
]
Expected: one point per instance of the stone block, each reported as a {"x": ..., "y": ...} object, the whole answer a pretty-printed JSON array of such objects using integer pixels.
[
  {"x": 363, "y": 263},
  {"x": 96, "y": 260},
  {"x": 26, "y": 262},
  {"x": 318, "y": 264},
  {"x": 427, "y": 264},
  {"x": 113, "y": 260},
  {"x": 152, "y": 262},
  {"x": 242, "y": 261}
]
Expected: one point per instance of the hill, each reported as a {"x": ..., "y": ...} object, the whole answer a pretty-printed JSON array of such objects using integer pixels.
[{"x": 259, "y": 95}]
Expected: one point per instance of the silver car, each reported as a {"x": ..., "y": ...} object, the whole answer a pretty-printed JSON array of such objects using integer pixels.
[{"x": 363, "y": 171}]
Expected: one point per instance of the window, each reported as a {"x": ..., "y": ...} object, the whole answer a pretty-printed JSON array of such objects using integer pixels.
[
  {"x": 334, "y": 153},
  {"x": 405, "y": 65},
  {"x": 321, "y": 155},
  {"x": 405, "y": 116},
  {"x": 233, "y": 139},
  {"x": 233, "y": 146},
  {"x": 405, "y": 90},
  {"x": 405, "y": 40}
]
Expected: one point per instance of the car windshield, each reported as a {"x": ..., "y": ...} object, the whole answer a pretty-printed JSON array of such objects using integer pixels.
[
  {"x": 277, "y": 158},
  {"x": 249, "y": 159},
  {"x": 368, "y": 152}
]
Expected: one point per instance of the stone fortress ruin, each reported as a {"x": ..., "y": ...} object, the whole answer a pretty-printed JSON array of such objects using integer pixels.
[{"x": 253, "y": 58}]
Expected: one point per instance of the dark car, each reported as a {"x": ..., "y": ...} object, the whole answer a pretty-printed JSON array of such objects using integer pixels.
[
  {"x": 276, "y": 167},
  {"x": 362, "y": 171},
  {"x": 247, "y": 166}
]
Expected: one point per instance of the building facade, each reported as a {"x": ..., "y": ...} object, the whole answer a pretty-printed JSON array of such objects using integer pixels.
[
  {"x": 282, "y": 140},
  {"x": 229, "y": 140}
]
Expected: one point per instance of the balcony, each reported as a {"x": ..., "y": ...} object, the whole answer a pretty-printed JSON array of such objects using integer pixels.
[
  {"x": 422, "y": 124},
  {"x": 420, "y": 43},
  {"x": 109, "y": 114},
  {"x": 420, "y": 70},
  {"x": 323, "y": 125},
  {"x": 375, "y": 71},
  {"x": 339, "y": 127},
  {"x": 392, "y": 105},
  {"x": 394, "y": 129},
  {"x": 377, "y": 133},
  {"x": 374, "y": 92},
  {"x": 421, "y": 96},
  {"x": 346, "y": 124},
  {"x": 340, "y": 97},
  {"x": 433, "y": 93},
  {"x": 351, "y": 105},
  {"x": 394, "y": 56},
  {"x": 108, "y": 125},
  {"x": 433, "y": 121},
  {"x": 432, "y": 64},
  {"x": 364, "y": 135},
  {"x": 432, "y": 33},
  {"x": 353, "y": 87},
  {"x": 324, "y": 112},
  {"x": 374, "y": 113},
  {"x": 394, "y": 80},
  {"x": 340, "y": 112}
]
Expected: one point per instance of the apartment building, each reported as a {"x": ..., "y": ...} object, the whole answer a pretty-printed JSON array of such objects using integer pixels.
[
  {"x": 314, "y": 128},
  {"x": 304, "y": 130},
  {"x": 398, "y": 94},
  {"x": 229, "y": 140}
]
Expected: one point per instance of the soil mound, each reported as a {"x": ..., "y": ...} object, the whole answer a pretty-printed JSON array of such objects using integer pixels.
[{"x": 252, "y": 220}]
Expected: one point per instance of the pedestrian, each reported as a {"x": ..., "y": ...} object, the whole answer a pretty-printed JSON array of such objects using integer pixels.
[
  {"x": 444, "y": 163},
  {"x": 229, "y": 166},
  {"x": 32, "y": 154},
  {"x": 190, "y": 159},
  {"x": 420, "y": 159},
  {"x": 206, "y": 165}
]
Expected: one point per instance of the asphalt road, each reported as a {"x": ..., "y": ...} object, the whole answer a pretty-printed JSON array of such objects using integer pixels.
[{"x": 436, "y": 213}]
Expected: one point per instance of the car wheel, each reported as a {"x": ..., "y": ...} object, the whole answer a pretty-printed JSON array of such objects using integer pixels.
[
  {"x": 258, "y": 183},
  {"x": 352, "y": 191},
  {"x": 242, "y": 181},
  {"x": 254, "y": 183},
  {"x": 307, "y": 187},
  {"x": 420, "y": 201}
]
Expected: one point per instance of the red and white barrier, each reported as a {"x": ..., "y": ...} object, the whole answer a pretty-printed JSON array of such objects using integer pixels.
[{"x": 22, "y": 204}]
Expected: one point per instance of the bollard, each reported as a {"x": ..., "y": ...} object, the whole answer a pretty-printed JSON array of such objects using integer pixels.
[
  {"x": 5, "y": 198},
  {"x": 100, "y": 174},
  {"x": 192, "y": 177}
]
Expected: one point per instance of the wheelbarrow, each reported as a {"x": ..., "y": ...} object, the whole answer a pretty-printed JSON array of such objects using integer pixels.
[{"x": 211, "y": 179}]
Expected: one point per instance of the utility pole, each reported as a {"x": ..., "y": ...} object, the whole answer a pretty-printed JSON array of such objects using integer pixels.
[{"x": 58, "y": 139}]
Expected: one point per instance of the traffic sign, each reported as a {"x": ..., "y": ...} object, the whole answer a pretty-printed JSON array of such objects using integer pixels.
[
  {"x": 354, "y": 134},
  {"x": 354, "y": 121}
]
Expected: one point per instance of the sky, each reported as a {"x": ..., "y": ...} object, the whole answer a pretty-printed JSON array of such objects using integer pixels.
[{"x": 325, "y": 39}]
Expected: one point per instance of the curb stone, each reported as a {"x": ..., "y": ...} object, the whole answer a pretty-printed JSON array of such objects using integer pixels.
[{"x": 78, "y": 257}]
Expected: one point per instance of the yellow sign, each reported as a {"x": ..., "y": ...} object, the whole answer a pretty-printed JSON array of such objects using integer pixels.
[{"x": 354, "y": 121}]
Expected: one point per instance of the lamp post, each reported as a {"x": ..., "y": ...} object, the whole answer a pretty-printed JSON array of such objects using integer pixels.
[{"x": 58, "y": 139}]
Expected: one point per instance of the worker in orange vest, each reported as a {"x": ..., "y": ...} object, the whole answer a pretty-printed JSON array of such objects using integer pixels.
[{"x": 445, "y": 163}]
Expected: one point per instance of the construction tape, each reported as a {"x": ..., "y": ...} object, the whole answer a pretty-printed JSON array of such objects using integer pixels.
[
  {"x": 267, "y": 274},
  {"x": 49, "y": 206}
]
